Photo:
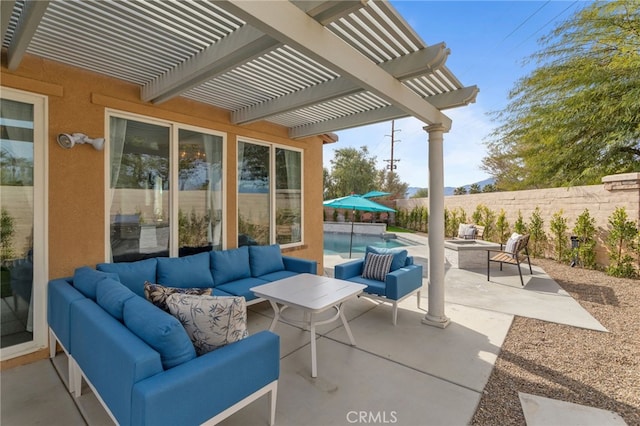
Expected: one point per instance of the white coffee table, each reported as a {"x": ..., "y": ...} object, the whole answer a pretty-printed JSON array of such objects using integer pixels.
[{"x": 313, "y": 294}]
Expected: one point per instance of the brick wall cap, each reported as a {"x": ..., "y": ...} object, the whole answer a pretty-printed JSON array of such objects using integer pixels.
[{"x": 621, "y": 177}]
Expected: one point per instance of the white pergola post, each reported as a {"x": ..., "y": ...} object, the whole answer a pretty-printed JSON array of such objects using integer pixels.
[{"x": 435, "y": 315}]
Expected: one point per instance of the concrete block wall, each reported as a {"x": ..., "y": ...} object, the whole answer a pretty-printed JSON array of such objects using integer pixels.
[{"x": 622, "y": 190}]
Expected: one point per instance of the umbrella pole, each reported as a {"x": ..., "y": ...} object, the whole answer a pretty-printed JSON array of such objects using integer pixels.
[{"x": 351, "y": 240}]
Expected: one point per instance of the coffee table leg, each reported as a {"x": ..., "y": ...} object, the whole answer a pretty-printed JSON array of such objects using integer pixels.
[
  {"x": 314, "y": 367},
  {"x": 276, "y": 315},
  {"x": 346, "y": 326}
]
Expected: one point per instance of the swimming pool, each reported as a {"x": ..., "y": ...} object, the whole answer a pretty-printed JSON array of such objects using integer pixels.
[{"x": 338, "y": 243}]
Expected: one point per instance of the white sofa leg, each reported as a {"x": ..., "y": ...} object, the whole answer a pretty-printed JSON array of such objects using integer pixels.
[
  {"x": 273, "y": 396},
  {"x": 52, "y": 344},
  {"x": 395, "y": 312},
  {"x": 418, "y": 294},
  {"x": 75, "y": 378}
]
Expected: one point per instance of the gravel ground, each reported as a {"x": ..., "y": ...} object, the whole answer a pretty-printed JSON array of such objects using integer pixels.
[{"x": 571, "y": 364}]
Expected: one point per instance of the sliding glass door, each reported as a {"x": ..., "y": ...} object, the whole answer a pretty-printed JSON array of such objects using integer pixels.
[{"x": 22, "y": 222}]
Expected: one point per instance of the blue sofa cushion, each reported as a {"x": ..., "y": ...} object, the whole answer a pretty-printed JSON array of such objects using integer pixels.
[
  {"x": 265, "y": 259},
  {"x": 160, "y": 330},
  {"x": 241, "y": 287},
  {"x": 377, "y": 266},
  {"x": 211, "y": 322},
  {"x": 230, "y": 265},
  {"x": 373, "y": 286},
  {"x": 157, "y": 294},
  {"x": 86, "y": 279},
  {"x": 111, "y": 295},
  {"x": 188, "y": 271},
  {"x": 133, "y": 274},
  {"x": 399, "y": 256},
  {"x": 279, "y": 275}
]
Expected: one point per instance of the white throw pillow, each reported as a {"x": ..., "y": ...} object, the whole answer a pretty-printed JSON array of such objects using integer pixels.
[
  {"x": 512, "y": 243},
  {"x": 210, "y": 321}
]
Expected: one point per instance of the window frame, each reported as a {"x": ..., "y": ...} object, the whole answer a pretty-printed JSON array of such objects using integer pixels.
[
  {"x": 40, "y": 221},
  {"x": 272, "y": 187},
  {"x": 174, "y": 191}
]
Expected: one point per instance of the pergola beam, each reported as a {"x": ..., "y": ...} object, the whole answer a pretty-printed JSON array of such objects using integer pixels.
[
  {"x": 326, "y": 12},
  {"x": 288, "y": 24},
  {"x": 418, "y": 63},
  {"x": 453, "y": 99},
  {"x": 5, "y": 15},
  {"x": 25, "y": 30},
  {"x": 373, "y": 116},
  {"x": 240, "y": 46},
  {"x": 237, "y": 48}
]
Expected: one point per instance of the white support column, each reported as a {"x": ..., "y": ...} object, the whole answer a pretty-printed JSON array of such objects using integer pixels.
[{"x": 435, "y": 314}]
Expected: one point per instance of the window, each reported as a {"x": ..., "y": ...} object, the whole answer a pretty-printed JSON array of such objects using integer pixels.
[
  {"x": 166, "y": 184},
  {"x": 269, "y": 194},
  {"x": 23, "y": 242},
  {"x": 200, "y": 200}
]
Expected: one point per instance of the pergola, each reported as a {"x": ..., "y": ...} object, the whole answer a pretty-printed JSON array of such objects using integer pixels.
[{"x": 314, "y": 67}]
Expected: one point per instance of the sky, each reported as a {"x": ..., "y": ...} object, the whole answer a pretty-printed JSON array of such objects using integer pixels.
[{"x": 489, "y": 42}]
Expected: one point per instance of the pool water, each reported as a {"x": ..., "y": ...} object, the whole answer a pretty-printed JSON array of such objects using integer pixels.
[{"x": 338, "y": 243}]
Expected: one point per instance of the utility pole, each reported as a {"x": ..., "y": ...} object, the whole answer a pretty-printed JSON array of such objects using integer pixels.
[{"x": 392, "y": 166}]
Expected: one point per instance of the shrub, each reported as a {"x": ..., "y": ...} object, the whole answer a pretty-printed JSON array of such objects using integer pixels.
[
  {"x": 620, "y": 241},
  {"x": 486, "y": 217},
  {"x": 502, "y": 227},
  {"x": 334, "y": 215},
  {"x": 536, "y": 232},
  {"x": 559, "y": 229},
  {"x": 425, "y": 219},
  {"x": 585, "y": 231},
  {"x": 520, "y": 227},
  {"x": 7, "y": 233}
]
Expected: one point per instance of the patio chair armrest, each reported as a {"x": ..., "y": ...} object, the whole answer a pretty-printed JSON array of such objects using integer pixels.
[
  {"x": 296, "y": 264},
  {"x": 403, "y": 281},
  {"x": 348, "y": 270}
]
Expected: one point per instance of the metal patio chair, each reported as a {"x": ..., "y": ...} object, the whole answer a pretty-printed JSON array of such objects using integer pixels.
[{"x": 515, "y": 257}]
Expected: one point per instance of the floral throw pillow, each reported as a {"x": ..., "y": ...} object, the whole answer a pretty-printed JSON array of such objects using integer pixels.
[
  {"x": 157, "y": 294},
  {"x": 210, "y": 321},
  {"x": 377, "y": 266}
]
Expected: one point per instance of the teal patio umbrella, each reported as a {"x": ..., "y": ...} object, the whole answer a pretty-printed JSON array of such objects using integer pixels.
[
  {"x": 356, "y": 202},
  {"x": 374, "y": 194}
]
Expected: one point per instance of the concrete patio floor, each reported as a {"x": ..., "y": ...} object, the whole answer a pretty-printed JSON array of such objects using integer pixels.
[{"x": 410, "y": 374}]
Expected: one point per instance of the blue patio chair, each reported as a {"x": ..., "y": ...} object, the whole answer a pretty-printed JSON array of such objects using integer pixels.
[{"x": 402, "y": 280}]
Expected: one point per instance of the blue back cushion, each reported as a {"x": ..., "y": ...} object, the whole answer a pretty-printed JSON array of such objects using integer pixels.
[
  {"x": 86, "y": 280},
  {"x": 133, "y": 274},
  {"x": 160, "y": 330},
  {"x": 111, "y": 295},
  {"x": 230, "y": 265},
  {"x": 399, "y": 256},
  {"x": 187, "y": 271},
  {"x": 265, "y": 259}
]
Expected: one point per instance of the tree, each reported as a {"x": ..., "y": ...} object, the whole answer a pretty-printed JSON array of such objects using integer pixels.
[
  {"x": 389, "y": 181},
  {"x": 489, "y": 188},
  {"x": 461, "y": 190},
  {"x": 421, "y": 193},
  {"x": 474, "y": 188},
  {"x": 352, "y": 172},
  {"x": 574, "y": 119}
]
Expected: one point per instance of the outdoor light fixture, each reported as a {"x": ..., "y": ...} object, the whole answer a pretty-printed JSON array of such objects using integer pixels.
[{"x": 68, "y": 141}]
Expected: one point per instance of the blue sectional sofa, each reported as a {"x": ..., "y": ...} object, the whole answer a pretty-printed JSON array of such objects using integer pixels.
[
  {"x": 403, "y": 279},
  {"x": 139, "y": 360}
]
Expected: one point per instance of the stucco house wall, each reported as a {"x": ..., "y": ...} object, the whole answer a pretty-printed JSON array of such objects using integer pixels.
[{"x": 77, "y": 101}]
